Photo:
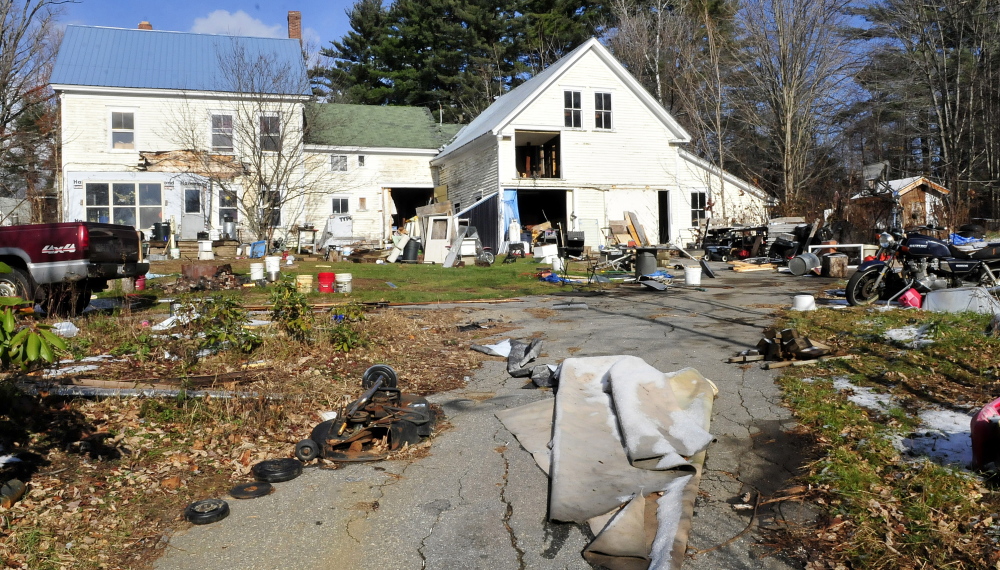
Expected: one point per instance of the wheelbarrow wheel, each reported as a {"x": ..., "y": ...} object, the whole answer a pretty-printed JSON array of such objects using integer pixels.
[
  {"x": 277, "y": 470},
  {"x": 383, "y": 371},
  {"x": 306, "y": 450},
  {"x": 207, "y": 511}
]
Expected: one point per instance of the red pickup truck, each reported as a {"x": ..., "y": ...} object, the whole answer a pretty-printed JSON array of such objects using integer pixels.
[{"x": 61, "y": 265}]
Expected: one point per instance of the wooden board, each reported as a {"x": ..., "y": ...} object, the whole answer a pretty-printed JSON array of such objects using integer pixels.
[
  {"x": 636, "y": 229},
  {"x": 742, "y": 267}
]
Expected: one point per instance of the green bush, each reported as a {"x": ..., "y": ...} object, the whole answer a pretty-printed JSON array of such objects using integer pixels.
[
  {"x": 26, "y": 345},
  {"x": 291, "y": 311}
]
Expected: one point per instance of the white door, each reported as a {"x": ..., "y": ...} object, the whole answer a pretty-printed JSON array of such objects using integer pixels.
[
  {"x": 193, "y": 218},
  {"x": 439, "y": 234}
]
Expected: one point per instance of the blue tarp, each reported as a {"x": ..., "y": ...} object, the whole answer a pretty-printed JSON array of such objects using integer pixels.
[
  {"x": 959, "y": 240},
  {"x": 510, "y": 212}
]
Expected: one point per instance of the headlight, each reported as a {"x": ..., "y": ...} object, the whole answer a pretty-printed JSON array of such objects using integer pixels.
[{"x": 885, "y": 240}]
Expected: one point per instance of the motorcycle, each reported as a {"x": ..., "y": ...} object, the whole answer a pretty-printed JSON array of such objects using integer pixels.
[{"x": 916, "y": 260}]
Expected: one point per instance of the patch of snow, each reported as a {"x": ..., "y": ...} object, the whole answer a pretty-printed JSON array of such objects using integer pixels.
[
  {"x": 911, "y": 336},
  {"x": 865, "y": 397}
]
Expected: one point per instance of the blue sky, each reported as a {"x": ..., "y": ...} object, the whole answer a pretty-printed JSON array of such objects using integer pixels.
[{"x": 322, "y": 20}]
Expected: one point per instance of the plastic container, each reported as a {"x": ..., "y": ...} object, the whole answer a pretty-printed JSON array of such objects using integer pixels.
[
  {"x": 256, "y": 271},
  {"x": 911, "y": 298},
  {"x": 304, "y": 283},
  {"x": 645, "y": 262},
  {"x": 411, "y": 250},
  {"x": 140, "y": 283},
  {"x": 692, "y": 276},
  {"x": 804, "y": 303},
  {"x": 175, "y": 253},
  {"x": 343, "y": 282},
  {"x": 272, "y": 263},
  {"x": 326, "y": 282},
  {"x": 802, "y": 264}
]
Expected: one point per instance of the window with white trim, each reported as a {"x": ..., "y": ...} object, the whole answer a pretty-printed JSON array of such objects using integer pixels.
[
  {"x": 572, "y": 109},
  {"x": 340, "y": 206},
  {"x": 361, "y": 160},
  {"x": 338, "y": 162},
  {"x": 602, "y": 110},
  {"x": 222, "y": 132},
  {"x": 228, "y": 205},
  {"x": 122, "y": 130},
  {"x": 699, "y": 203},
  {"x": 270, "y": 133},
  {"x": 125, "y": 203}
]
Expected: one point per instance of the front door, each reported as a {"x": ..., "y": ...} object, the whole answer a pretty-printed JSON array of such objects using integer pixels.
[{"x": 193, "y": 218}]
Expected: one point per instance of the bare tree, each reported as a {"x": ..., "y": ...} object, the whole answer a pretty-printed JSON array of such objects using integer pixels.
[
  {"x": 28, "y": 44},
  {"x": 794, "y": 71}
]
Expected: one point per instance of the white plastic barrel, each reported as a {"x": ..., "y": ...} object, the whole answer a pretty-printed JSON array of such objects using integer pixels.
[
  {"x": 692, "y": 275},
  {"x": 342, "y": 283},
  {"x": 256, "y": 271},
  {"x": 804, "y": 303},
  {"x": 272, "y": 263}
]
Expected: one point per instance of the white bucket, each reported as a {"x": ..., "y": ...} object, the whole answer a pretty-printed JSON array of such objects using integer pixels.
[
  {"x": 304, "y": 283},
  {"x": 557, "y": 264},
  {"x": 256, "y": 271},
  {"x": 342, "y": 283},
  {"x": 213, "y": 235},
  {"x": 206, "y": 255},
  {"x": 804, "y": 303},
  {"x": 692, "y": 275},
  {"x": 175, "y": 253},
  {"x": 272, "y": 263},
  {"x": 205, "y": 246}
]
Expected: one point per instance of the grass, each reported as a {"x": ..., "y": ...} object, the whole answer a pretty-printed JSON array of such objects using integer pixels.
[{"x": 887, "y": 510}]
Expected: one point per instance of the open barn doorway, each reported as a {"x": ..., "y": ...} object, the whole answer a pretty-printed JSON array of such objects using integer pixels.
[
  {"x": 539, "y": 206},
  {"x": 406, "y": 202}
]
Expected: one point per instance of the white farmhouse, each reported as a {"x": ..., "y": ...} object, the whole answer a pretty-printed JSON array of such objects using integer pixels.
[{"x": 580, "y": 144}]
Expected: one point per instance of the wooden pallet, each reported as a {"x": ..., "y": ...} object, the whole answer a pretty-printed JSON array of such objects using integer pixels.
[{"x": 744, "y": 267}]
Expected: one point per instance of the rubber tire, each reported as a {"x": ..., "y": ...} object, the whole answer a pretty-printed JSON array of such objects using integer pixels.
[
  {"x": 384, "y": 371},
  {"x": 277, "y": 470},
  {"x": 860, "y": 290},
  {"x": 306, "y": 450},
  {"x": 16, "y": 284},
  {"x": 488, "y": 257},
  {"x": 251, "y": 490},
  {"x": 207, "y": 511}
]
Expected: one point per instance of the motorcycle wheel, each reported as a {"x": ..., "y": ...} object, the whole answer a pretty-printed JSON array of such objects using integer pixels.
[{"x": 861, "y": 289}]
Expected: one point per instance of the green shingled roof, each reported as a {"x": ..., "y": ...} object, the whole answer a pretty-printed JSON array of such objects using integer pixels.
[{"x": 337, "y": 124}]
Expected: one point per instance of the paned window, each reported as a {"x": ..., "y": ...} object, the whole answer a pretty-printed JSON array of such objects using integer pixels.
[
  {"x": 270, "y": 133},
  {"x": 124, "y": 203},
  {"x": 338, "y": 162},
  {"x": 228, "y": 205},
  {"x": 699, "y": 201},
  {"x": 602, "y": 110},
  {"x": 572, "y": 108},
  {"x": 122, "y": 130},
  {"x": 340, "y": 206},
  {"x": 222, "y": 133}
]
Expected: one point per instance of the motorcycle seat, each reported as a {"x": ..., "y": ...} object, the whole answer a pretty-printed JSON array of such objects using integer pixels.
[{"x": 990, "y": 251}]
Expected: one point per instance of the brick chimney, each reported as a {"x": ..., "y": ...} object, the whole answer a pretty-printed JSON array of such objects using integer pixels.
[
  {"x": 144, "y": 25},
  {"x": 295, "y": 25}
]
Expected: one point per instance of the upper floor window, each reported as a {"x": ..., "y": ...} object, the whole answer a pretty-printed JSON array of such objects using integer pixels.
[
  {"x": 340, "y": 206},
  {"x": 699, "y": 201},
  {"x": 122, "y": 130},
  {"x": 602, "y": 110},
  {"x": 222, "y": 133},
  {"x": 270, "y": 133},
  {"x": 572, "y": 108},
  {"x": 338, "y": 162},
  {"x": 361, "y": 160}
]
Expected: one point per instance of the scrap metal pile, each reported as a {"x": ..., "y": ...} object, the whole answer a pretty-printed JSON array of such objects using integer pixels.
[{"x": 382, "y": 420}]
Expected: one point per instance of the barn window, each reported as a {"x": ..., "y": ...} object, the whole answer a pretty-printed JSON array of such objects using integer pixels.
[
  {"x": 572, "y": 109},
  {"x": 698, "y": 202}
]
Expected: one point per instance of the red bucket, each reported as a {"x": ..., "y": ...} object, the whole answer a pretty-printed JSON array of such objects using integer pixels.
[{"x": 326, "y": 281}]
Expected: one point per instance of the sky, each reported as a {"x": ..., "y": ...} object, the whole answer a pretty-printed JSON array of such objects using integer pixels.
[{"x": 322, "y": 20}]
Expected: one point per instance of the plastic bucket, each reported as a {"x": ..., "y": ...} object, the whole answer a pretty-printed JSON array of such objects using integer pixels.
[
  {"x": 803, "y": 264},
  {"x": 175, "y": 253},
  {"x": 692, "y": 275},
  {"x": 804, "y": 303},
  {"x": 256, "y": 271},
  {"x": 140, "y": 283},
  {"x": 206, "y": 255},
  {"x": 343, "y": 282},
  {"x": 304, "y": 283},
  {"x": 326, "y": 282},
  {"x": 272, "y": 263},
  {"x": 645, "y": 262}
]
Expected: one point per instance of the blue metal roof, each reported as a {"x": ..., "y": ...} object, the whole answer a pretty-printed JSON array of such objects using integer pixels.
[{"x": 152, "y": 59}]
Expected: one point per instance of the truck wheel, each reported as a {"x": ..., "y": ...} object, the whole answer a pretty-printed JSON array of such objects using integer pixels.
[{"x": 15, "y": 284}]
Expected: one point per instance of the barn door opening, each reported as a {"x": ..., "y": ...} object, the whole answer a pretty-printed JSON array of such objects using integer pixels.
[
  {"x": 663, "y": 199},
  {"x": 538, "y": 206},
  {"x": 407, "y": 200}
]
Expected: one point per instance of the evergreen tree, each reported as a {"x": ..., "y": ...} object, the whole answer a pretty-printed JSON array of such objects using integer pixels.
[{"x": 357, "y": 74}]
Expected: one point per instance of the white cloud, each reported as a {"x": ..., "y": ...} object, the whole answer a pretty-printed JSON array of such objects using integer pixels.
[{"x": 236, "y": 24}]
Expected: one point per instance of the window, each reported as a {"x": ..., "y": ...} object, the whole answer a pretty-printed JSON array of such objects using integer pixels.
[
  {"x": 270, "y": 133},
  {"x": 228, "y": 205},
  {"x": 271, "y": 210},
  {"x": 338, "y": 162},
  {"x": 124, "y": 203},
  {"x": 361, "y": 160},
  {"x": 122, "y": 130},
  {"x": 602, "y": 110},
  {"x": 571, "y": 102},
  {"x": 699, "y": 201},
  {"x": 340, "y": 206},
  {"x": 192, "y": 201},
  {"x": 222, "y": 133},
  {"x": 362, "y": 204}
]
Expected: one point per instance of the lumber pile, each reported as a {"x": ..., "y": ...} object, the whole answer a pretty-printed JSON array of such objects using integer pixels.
[{"x": 747, "y": 266}]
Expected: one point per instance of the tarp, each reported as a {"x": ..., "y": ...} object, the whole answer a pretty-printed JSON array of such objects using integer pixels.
[
  {"x": 510, "y": 212},
  {"x": 627, "y": 443}
]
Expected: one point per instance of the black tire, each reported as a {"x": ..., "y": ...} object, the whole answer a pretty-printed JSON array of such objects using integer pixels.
[
  {"x": 277, "y": 470},
  {"x": 306, "y": 450},
  {"x": 383, "y": 371},
  {"x": 16, "y": 284},
  {"x": 207, "y": 511},
  {"x": 251, "y": 490},
  {"x": 861, "y": 288},
  {"x": 488, "y": 257}
]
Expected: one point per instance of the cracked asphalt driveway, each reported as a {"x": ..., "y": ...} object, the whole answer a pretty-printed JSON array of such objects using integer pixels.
[{"x": 478, "y": 500}]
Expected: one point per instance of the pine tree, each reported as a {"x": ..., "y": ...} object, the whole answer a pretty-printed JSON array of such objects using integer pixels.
[{"x": 357, "y": 74}]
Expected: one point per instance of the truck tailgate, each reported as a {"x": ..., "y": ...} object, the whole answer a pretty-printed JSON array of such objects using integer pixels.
[{"x": 113, "y": 244}]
